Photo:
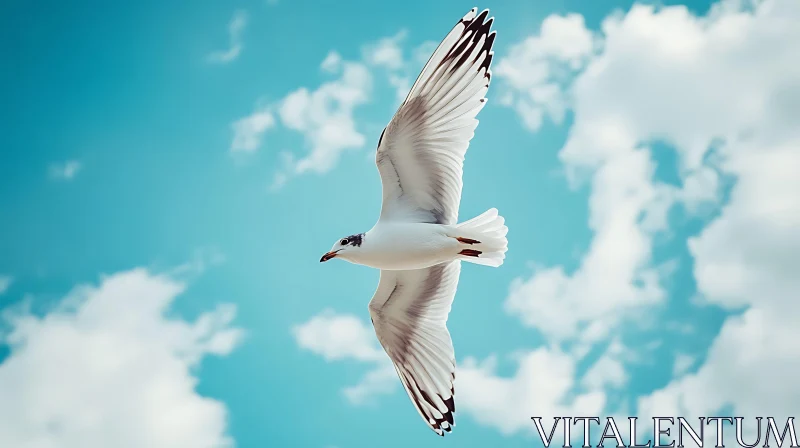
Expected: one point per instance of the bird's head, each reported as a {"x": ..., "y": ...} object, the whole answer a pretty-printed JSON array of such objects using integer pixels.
[{"x": 344, "y": 247}]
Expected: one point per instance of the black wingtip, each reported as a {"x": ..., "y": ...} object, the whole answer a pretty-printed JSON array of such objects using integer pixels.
[
  {"x": 482, "y": 16},
  {"x": 451, "y": 406}
]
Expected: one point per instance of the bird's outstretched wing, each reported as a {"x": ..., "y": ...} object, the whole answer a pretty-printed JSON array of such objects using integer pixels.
[
  {"x": 421, "y": 152},
  {"x": 409, "y": 311}
]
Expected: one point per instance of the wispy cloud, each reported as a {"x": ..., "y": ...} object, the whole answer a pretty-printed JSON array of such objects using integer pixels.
[
  {"x": 235, "y": 29},
  {"x": 386, "y": 52},
  {"x": 65, "y": 171},
  {"x": 5, "y": 282},
  {"x": 249, "y": 131},
  {"x": 325, "y": 115},
  {"x": 332, "y": 62}
]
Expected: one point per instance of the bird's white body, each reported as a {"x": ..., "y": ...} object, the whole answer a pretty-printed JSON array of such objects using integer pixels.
[
  {"x": 401, "y": 245},
  {"x": 417, "y": 243}
]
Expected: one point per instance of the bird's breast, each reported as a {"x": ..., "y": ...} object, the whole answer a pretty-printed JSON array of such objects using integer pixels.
[{"x": 406, "y": 246}]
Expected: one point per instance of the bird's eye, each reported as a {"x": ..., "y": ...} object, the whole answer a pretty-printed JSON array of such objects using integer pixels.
[{"x": 344, "y": 242}]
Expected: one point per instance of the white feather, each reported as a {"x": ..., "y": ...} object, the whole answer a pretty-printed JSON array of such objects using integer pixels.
[
  {"x": 409, "y": 311},
  {"x": 421, "y": 152}
]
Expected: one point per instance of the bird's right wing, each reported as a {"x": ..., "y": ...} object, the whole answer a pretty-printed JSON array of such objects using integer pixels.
[
  {"x": 421, "y": 152},
  {"x": 409, "y": 311}
]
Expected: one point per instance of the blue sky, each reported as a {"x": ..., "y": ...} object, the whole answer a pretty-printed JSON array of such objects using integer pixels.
[{"x": 170, "y": 176}]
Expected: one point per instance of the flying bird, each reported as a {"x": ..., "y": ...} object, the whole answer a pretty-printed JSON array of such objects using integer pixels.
[{"x": 417, "y": 242}]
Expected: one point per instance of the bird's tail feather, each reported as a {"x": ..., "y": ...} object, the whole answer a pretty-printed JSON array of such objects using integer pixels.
[{"x": 482, "y": 239}]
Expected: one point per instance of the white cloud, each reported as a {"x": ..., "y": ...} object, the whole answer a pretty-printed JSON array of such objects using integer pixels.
[
  {"x": 202, "y": 259},
  {"x": 325, "y": 115},
  {"x": 5, "y": 283},
  {"x": 387, "y": 52},
  {"x": 106, "y": 367},
  {"x": 235, "y": 29},
  {"x": 723, "y": 92},
  {"x": 536, "y": 68},
  {"x": 615, "y": 277},
  {"x": 683, "y": 363},
  {"x": 249, "y": 131},
  {"x": 723, "y": 85},
  {"x": 401, "y": 84},
  {"x": 423, "y": 52},
  {"x": 65, "y": 171},
  {"x": 609, "y": 370},
  {"x": 543, "y": 385},
  {"x": 332, "y": 62},
  {"x": 337, "y": 337},
  {"x": 380, "y": 380},
  {"x": 642, "y": 58}
]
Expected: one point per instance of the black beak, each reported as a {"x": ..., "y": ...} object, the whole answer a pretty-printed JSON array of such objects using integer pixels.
[{"x": 328, "y": 256}]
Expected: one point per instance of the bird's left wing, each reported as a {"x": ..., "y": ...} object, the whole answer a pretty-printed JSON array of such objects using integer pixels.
[
  {"x": 421, "y": 152},
  {"x": 409, "y": 311}
]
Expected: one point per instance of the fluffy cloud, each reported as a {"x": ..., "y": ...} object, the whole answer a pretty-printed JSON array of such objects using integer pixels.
[
  {"x": 722, "y": 87},
  {"x": 108, "y": 368},
  {"x": 337, "y": 337},
  {"x": 615, "y": 275},
  {"x": 721, "y": 90},
  {"x": 325, "y": 115},
  {"x": 235, "y": 29},
  {"x": 65, "y": 171},
  {"x": 627, "y": 206},
  {"x": 658, "y": 77},
  {"x": 535, "y": 68},
  {"x": 543, "y": 385}
]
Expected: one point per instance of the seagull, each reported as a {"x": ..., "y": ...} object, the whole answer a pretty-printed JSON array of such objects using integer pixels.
[{"x": 417, "y": 242}]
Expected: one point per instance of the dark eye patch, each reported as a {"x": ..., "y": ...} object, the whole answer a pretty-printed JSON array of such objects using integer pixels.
[{"x": 356, "y": 240}]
